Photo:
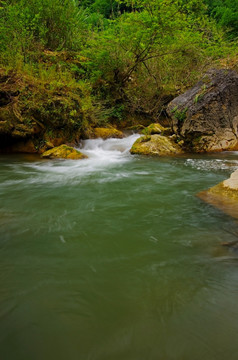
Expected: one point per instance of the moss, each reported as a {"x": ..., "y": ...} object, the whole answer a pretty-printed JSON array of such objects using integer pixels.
[
  {"x": 156, "y": 128},
  {"x": 206, "y": 80},
  {"x": 144, "y": 139},
  {"x": 137, "y": 127},
  {"x": 63, "y": 152},
  {"x": 224, "y": 195},
  {"x": 46, "y": 100},
  {"x": 106, "y": 133},
  {"x": 181, "y": 115},
  {"x": 199, "y": 96},
  {"x": 155, "y": 145},
  {"x": 223, "y": 198},
  {"x": 224, "y": 191}
]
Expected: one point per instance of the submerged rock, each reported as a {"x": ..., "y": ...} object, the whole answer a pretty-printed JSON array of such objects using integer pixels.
[
  {"x": 156, "y": 128},
  {"x": 63, "y": 152},
  {"x": 155, "y": 145},
  {"x": 106, "y": 133},
  {"x": 206, "y": 116},
  {"x": 224, "y": 195}
]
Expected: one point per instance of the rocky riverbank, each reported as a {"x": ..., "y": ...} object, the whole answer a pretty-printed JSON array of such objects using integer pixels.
[
  {"x": 36, "y": 116},
  {"x": 203, "y": 119}
]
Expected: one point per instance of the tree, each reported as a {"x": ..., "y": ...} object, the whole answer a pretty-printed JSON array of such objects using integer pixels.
[
  {"x": 226, "y": 14},
  {"x": 107, "y": 8},
  {"x": 140, "y": 45},
  {"x": 51, "y": 23}
]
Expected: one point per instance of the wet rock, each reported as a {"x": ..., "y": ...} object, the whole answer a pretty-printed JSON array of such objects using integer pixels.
[
  {"x": 31, "y": 109},
  {"x": 106, "y": 133},
  {"x": 156, "y": 128},
  {"x": 54, "y": 141},
  {"x": 224, "y": 195},
  {"x": 63, "y": 152},
  {"x": 27, "y": 147},
  {"x": 155, "y": 145},
  {"x": 45, "y": 145},
  {"x": 206, "y": 116}
]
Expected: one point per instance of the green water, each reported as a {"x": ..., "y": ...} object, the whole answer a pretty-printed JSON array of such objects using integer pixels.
[{"x": 115, "y": 258}]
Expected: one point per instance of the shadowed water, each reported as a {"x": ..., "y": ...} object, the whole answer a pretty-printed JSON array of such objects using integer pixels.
[{"x": 114, "y": 257}]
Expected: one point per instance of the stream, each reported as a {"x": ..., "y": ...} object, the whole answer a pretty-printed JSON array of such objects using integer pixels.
[{"x": 115, "y": 258}]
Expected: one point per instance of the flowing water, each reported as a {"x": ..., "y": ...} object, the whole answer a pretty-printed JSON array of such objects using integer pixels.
[{"x": 115, "y": 258}]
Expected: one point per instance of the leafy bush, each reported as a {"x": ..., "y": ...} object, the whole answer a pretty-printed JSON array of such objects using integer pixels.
[
  {"x": 53, "y": 24},
  {"x": 123, "y": 56},
  {"x": 226, "y": 14},
  {"x": 144, "y": 56}
]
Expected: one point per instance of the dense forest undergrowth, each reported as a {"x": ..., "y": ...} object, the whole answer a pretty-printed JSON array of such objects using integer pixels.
[{"x": 68, "y": 66}]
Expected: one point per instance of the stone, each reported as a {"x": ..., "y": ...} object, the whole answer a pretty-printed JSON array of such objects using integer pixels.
[
  {"x": 63, "y": 152},
  {"x": 106, "y": 133},
  {"x": 47, "y": 145},
  {"x": 155, "y": 145},
  {"x": 156, "y": 128},
  {"x": 224, "y": 195},
  {"x": 232, "y": 182},
  {"x": 27, "y": 147},
  {"x": 206, "y": 116},
  {"x": 137, "y": 127}
]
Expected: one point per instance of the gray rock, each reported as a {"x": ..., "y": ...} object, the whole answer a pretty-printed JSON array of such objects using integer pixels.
[{"x": 206, "y": 116}]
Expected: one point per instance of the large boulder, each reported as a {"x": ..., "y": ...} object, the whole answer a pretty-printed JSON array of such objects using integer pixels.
[
  {"x": 224, "y": 195},
  {"x": 206, "y": 116},
  {"x": 63, "y": 152},
  {"x": 155, "y": 145}
]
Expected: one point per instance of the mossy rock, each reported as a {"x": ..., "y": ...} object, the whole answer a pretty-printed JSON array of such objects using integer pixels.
[
  {"x": 33, "y": 106},
  {"x": 155, "y": 145},
  {"x": 63, "y": 152},
  {"x": 137, "y": 127},
  {"x": 156, "y": 128},
  {"x": 224, "y": 195},
  {"x": 106, "y": 133}
]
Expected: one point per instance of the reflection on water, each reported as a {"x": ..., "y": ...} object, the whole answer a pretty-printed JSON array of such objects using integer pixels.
[{"x": 114, "y": 257}]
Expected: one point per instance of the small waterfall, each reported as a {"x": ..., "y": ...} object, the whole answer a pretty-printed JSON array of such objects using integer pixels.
[
  {"x": 103, "y": 156},
  {"x": 108, "y": 151}
]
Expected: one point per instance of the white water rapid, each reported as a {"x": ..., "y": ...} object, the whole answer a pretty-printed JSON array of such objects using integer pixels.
[
  {"x": 107, "y": 162},
  {"x": 103, "y": 157},
  {"x": 105, "y": 152}
]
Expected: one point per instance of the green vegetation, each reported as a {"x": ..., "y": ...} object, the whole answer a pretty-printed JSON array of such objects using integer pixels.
[
  {"x": 225, "y": 12},
  {"x": 81, "y": 64},
  {"x": 180, "y": 115},
  {"x": 201, "y": 94}
]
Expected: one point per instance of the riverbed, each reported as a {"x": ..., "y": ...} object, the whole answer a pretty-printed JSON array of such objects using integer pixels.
[{"x": 114, "y": 257}]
